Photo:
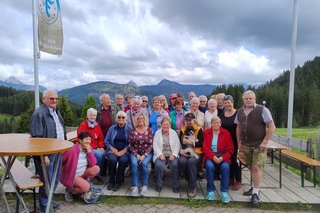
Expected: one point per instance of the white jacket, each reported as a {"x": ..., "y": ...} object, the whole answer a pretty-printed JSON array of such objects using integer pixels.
[{"x": 158, "y": 143}]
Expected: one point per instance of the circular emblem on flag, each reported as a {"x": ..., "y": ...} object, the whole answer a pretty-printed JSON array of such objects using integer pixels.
[{"x": 49, "y": 10}]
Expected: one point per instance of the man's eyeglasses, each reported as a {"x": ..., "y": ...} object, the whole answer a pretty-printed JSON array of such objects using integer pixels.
[
  {"x": 51, "y": 98},
  {"x": 121, "y": 117}
]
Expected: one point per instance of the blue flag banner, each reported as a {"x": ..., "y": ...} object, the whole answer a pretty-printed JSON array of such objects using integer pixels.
[{"x": 50, "y": 33}]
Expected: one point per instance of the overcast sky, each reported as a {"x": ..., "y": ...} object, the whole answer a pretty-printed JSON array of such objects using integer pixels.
[{"x": 187, "y": 41}]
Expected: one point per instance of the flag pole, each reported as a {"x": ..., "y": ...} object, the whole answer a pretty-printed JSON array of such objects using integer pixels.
[
  {"x": 292, "y": 67},
  {"x": 36, "y": 53}
]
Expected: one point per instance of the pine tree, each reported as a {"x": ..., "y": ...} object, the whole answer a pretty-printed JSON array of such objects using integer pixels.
[{"x": 65, "y": 110}]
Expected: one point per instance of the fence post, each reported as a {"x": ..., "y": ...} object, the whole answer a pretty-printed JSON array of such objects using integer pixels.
[{"x": 318, "y": 155}]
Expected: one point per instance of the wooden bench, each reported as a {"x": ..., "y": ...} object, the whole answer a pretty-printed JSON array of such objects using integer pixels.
[
  {"x": 24, "y": 180},
  {"x": 304, "y": 163}
]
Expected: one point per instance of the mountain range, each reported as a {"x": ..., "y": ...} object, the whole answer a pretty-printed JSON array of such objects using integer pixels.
[
  {"x": 13, "y": 82},
  {"x": 165, "y": 87}
]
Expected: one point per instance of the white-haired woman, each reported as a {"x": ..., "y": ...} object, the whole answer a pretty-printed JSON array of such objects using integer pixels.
[
  {"x": 166, "y": 146},
  {"x": 212, "y": 111},
  {"x": 135, "y": 110},
  {"x": 194, "y": 109},
  {"x": 92, "y": 126},
  {"x": 116, "y": 142}
]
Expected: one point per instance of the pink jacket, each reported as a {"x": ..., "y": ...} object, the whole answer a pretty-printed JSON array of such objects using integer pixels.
[{"x": 70, "y": 162}]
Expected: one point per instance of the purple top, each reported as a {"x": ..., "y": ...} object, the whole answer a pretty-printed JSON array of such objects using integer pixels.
[{"x": 141, "y": 143}]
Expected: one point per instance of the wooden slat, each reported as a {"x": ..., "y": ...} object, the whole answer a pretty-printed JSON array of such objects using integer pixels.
[
  {"x": 23, "y": 177},
  {"x": 304, "y": 159}
]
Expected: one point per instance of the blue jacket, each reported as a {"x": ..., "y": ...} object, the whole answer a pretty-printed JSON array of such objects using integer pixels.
[
  {"x": 109, "y": 139},
  {"x": 42, "y": 124}
]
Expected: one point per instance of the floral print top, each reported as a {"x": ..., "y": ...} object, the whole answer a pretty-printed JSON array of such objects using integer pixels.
[{"x": 141, "y": 143}]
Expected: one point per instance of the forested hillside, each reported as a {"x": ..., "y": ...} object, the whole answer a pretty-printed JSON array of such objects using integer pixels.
[{"x": 306, "y": 95}]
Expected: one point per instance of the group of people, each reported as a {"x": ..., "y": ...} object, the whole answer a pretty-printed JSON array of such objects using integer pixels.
[{"x": 185, "y": 137}]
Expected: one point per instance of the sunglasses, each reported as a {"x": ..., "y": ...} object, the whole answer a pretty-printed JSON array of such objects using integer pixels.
[
  {"x": 145, "y": 101},
  {"x": 51, "y": 99},
  {"x": 121, "y": 117}
]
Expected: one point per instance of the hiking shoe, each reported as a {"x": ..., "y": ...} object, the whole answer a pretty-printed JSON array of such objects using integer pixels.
[
  {"x": 144, "y": 190},
  {"x": 68, "y": 196},
  {"x": 134, "y": 191},
  {"x": 90, "y": 198},
  {"x": 225, "y": 198},
  {"x": 255, "y": 199},
  {"x": 248, "y": 193},
  {"x": 211, "y": 196}
]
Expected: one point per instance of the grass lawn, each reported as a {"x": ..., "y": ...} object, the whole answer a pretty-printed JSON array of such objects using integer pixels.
[{"x": 300, "y": 133}]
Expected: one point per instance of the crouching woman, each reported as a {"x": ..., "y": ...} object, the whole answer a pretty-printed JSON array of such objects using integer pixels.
[{"x": 78, "y": 168}]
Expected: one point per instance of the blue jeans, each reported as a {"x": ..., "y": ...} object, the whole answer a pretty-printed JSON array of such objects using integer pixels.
[
  {"x": 43, "y": 198},
  {"x": 224, "y": 172},
  {"x": 135, "y": 170},
  {"x": 100, "y": 158}
]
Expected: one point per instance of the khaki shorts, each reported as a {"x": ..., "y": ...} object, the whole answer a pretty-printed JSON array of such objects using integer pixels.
[{"x": 254, "y": 155}]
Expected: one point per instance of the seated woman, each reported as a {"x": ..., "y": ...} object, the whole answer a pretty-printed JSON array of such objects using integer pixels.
[
  {"x": 116, "y": 142},
  {"x": 140, "y": 143},
  {"x": 78, "y": 168},
  {"x": 97, "y": 144},
  {"x": 217, "y": 151},
  {"x": 191, "y": 138},
  {"x": 166, "y": 148}
]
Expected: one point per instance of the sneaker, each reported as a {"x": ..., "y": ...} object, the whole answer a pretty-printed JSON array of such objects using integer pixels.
[
  {"x": 225, "y": 198},
  {"x": 248, "y": 193},
  {"x": 56, "y": 206},
  {"x": 144, "y": 190},
  {"x": 90, "y": 198},
  {"x": 134, "y": 191},
  {"x": 211, "y": 196},
  {"x": 68, "y": 196},
  {"x": 97, "y": 191},
  {"x": 255, "y": 199}
]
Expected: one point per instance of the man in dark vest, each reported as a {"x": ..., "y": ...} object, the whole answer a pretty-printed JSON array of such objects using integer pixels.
[{"x": 255, "y": 127}]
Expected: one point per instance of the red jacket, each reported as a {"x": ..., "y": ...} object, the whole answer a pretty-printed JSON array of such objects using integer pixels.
[
  {"x": 97, "y": 139},
  {"x": 224, "y": 145}
]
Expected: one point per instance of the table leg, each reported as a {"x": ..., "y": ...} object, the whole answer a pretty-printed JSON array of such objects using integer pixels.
[
  {"x": 50, "y": 188},
  {"x": 7, "y": 167},
  {"x": 280, "y": 169}
]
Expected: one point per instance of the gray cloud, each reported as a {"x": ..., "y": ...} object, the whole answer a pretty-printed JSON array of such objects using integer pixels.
[{"x": 207, "y": 41}]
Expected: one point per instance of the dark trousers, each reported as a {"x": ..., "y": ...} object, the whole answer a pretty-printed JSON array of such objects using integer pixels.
[
  {"x": 188, "y": 165},
  {"x": 159, "y": 170},
  {"x": 117, "y": 173}
]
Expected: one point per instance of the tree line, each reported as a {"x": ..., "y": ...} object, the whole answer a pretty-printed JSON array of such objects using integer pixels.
[
  {"x": 19, "y": 105},
  {"x": 275, "y": 93}
]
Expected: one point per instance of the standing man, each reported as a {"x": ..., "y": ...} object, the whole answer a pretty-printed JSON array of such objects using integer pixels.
[
  {"x": 105, "y": 114},
  {"x": 46, "y": 122},
  {"x": 119, "y": 103},
  {"x": 255, "y": 127},
  {"x": 220, "y": 105},
  {"x": 203, "y": 107}
]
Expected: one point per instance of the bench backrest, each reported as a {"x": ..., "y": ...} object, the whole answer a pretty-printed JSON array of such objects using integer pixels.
[{"x": 291, "y": 142}]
